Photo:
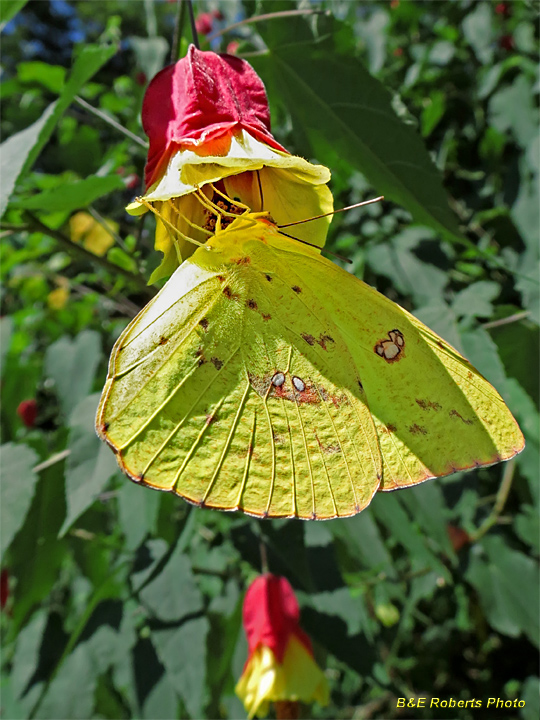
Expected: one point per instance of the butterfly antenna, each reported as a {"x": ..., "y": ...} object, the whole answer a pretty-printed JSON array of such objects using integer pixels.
[
  {"x": 236, "y": 203},
  {"x": 167, "y": 224},
  {"x": 260, "y": 189},
  {"x": 334, "y": 212},
  {"x": 305, "y": 242}
]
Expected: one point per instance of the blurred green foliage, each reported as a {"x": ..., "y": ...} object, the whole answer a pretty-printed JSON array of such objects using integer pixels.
[{"x": 125, "y": 603}]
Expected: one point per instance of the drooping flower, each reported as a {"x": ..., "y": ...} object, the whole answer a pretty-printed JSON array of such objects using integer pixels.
[
  {"x": 208, "y": 123},
  {"x": 280, "y": 667}
]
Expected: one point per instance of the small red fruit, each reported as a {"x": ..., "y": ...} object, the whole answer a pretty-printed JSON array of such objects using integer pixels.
[
  {"x": 27, "y": 411},
  {"x": 203, "y": 23},
  {"x": 503, "y": 9},
  {"x": 506, "y": 42},
  {"x": 4, "y": 588},
  {"x": 232, "y": 47},
  {"x": 458, "y": 537}
]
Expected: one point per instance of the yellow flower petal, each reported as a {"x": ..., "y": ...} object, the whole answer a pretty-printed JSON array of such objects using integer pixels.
[
  {"x": 58, "y": 298},
  {"x": 265, "y": 680},
  {"x": 94, "y": 237},
  {"x": 287, "y": 186}
]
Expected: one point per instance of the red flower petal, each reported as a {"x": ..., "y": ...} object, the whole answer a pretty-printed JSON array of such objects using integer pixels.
[
  {"x": 271, "y": 615},
  {"x": 202, "y": 97}
]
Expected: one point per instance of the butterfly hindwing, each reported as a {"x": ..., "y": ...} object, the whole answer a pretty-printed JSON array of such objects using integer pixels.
[{"x": 265, "y": 378}]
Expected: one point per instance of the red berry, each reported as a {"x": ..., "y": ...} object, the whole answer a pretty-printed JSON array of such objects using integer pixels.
[
  {"x": 27, "y": 411},
  {"x": 458, "y": 537},
  {"x": 506, "y": 42},
  {"x": 4, "y": 588},
  {"x": 232, "y": 47},
  {"x": 203, "y": 24},
  {"x": 218, "y": 15},
  {"x": 503, "y": 9}
]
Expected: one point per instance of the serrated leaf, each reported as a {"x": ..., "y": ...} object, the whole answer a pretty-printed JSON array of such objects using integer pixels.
[
  {"x": 476, "y": 300},
  {"x": 173, "y": 593},
  {"x": 182, "y": 650},
  {"x": 17, "y": 485},
  {"x": 90, "y": 463},
  {"x": 507, "y": 583},
  {"x": 72, "y": 364},
  {"x": 354, "y": 118}
]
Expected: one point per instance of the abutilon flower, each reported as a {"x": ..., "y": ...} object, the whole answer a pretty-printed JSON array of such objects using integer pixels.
[
  {"x": 208, "y": 123},
  {"x": 280, "y": 667}
]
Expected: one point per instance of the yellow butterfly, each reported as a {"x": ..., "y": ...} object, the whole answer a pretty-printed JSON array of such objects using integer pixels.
[{"x": 266, "y": 379}]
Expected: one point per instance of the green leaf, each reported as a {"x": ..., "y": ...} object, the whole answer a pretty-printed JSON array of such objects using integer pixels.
[
  {"x": 16, "y": 489},
  {"x": 19, "y": 152},
  {"x": 478, "y": 30},
  {"x": 439, "y": 317},
  {"x": 8, "y": 10},
  {"x": 161, "y": 702},
  {"x": 71, "y": 693},
  {"x": 50, "y": 76},
  {"x": 475, "y": 300},
  {"x": 36, "y": 552},
  {"x": 6, "y": 329},
  {"x": 150, "y": 53},
  {"x": 389, "y": 511},
  {"x": 354, "y": 120},
  {"x": 530, "y": 693},
  {"x": 26, "y": 657},
  {"x": 182, "y": 650},
  {"x": 397, "y": 261},
  {"x": 173, "y": 594},
  {"x": 72, "y": 364},
  {"x": 16, "y": 149},
  {"x": 90, "y": 464},
  {"x": 73, "y": 195},
  {"x": 507, "y": 583},
  {"x": 137, "y": 512}
]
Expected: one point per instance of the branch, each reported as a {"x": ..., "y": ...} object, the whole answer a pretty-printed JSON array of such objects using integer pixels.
[
  {"x": 262, "y": 18},
  {"x": 103, "y": 116},
  {"x": 35, "y": 224},
  {"x": 500, "y": 502}
]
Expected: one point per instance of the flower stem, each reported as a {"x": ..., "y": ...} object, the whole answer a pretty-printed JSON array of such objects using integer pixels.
[
  {"x": 500, "y": 502},
  {"x": 194, "y": 33},
  {"x": 178, "y": 30},
  {"x": 262, "y": 18}
]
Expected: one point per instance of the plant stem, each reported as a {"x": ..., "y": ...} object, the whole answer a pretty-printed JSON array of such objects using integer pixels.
[
  {"x": 194, "y": 33},
  {"x": 103, "y": 116},
  {"x": 178, "y": 30},
  {"x": 262, "y": 18},
  {"x": 500, "y": 501},
  {"x": 507, "y": 320}
]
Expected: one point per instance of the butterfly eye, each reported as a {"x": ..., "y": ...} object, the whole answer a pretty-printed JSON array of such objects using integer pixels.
[
  {"x": 299, "y": 384},
  {"x": 278, "y": 379}
]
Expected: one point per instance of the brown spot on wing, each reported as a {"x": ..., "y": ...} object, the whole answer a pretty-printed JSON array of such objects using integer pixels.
[
  {"x": 221, "y": 278},
  {"x": 163, "y": 340},
  {"x": 241, "y": 260},
  {"x": 391, "y": 349},
  {"x": 428, "y": 404},
  {"x": 252, "y": 304},
  {"x": 204, "y": 324},
  {"x": 297, "y": 289},
  {"x": 266, "y": 317},
  {"x": 454, "y": 413},
  {"x": 269, "y": 277},
  {"x": 217, "y": 363},
  {"x": 417, "y": 430},
  {"x": 308, "y": 338},
  {"x": 229, "y": 293}
]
